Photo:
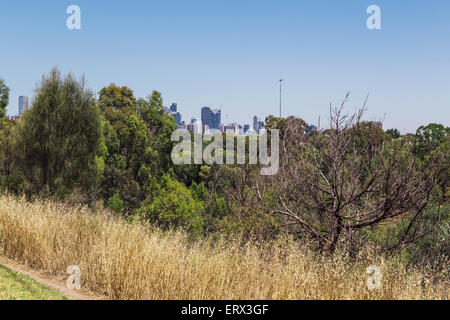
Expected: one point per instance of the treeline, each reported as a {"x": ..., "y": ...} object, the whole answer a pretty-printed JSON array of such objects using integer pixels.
[{"x": 344, "y": 188}]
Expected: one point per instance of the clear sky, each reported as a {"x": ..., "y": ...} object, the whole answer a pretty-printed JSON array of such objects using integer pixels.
[{"x": 231, "y": 53}]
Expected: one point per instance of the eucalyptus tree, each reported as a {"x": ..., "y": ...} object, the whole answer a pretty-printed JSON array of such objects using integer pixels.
[
  {"x": 58, "y": 140},
  {"x": 4, "y": 98}
]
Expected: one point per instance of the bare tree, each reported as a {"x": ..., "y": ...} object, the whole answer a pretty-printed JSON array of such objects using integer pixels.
[{"x": 335, "y": 182}]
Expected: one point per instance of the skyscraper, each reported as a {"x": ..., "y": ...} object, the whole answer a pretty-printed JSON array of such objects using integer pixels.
[
  {"x": 177, "y": 117},
  {"x": 174, "y": 107},
  {"x": 211, "y": 118},
  {"x": 23, "y": 104},
  {"x": 256, "y": 124},
  {"x": 216, "y": 119},
  {"x": 206, "y": 116}
]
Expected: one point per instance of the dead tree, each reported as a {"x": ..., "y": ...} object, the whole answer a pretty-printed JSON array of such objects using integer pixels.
[{"x": 335, "y": 182}]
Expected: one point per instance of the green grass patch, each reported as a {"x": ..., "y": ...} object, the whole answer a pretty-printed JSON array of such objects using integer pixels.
[{"x": 16, "y": 286}]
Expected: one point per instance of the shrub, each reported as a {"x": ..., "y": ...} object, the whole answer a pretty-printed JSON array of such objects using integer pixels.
[
  {"x": 174, "y": 205},
  {"x": 116, "y": 204}
]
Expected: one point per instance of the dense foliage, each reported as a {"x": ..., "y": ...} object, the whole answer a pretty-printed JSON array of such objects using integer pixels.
[{"x": 334, "y": 188}]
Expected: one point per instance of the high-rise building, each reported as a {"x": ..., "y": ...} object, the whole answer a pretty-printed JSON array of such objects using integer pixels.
[
  {"x": 211, "y": 118},
  {"x": 174, "y": 107},
  {"x": 177, "y": 117},
  {"x": 206, "y": 117},
  {"x": 216, "y": 119},
  {"x": 260, "y": 125},
  {"x": 255, "y": 123},
  {"x": 23, "y": 104},
  {"x": 246, "y": 128}
]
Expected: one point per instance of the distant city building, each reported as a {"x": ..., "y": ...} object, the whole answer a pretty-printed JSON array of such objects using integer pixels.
[
  {"x": 206, "y": 116},
  {"x": 23, "y": 104},
  {"x": 261, "y": 125},
  {"x": 216, "y": 119},
  {"x": 250, "y": 132},
  {"x": 182, "y": 125},
  {"x": 257, "y": 125},
  {"x": 232, "y": 128},
  {"x": 177, "y": 117},
  {"x": 172, "y": 110},
  {"x": 211, "y": 118},
  {"x": 246, "y": 128},
  {"x": 195, "y": 126},
  {"x": 310, "y": 128}
]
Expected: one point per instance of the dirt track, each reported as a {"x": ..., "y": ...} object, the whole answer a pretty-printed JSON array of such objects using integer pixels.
[{"x": 53, "y": 283}]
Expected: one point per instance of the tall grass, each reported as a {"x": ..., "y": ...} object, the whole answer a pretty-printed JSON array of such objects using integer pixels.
[{"x": 123, "y": 260}]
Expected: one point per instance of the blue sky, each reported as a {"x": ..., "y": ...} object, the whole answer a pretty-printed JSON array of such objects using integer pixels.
[{"x": 231, "y": 53}]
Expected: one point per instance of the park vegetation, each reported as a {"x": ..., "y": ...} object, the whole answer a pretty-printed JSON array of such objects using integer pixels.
[{"x": 90, "y": 182}]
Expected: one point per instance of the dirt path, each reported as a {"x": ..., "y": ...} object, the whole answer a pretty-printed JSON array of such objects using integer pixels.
[{"x": 53, "y": 283}]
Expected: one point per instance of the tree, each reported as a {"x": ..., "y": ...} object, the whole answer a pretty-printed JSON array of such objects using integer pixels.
[
  {"x": 176, "y": 206},
  {"x": 8, "y": 178},
  {"x": 432, "y": 142},
  {"x": 127, "y": 157},
  {"x": 4, "y": 98},
  {"x": 58, "y": 139},
  {"x": 116, "y": 97},
  {"x": 138, "y": 141},
  {"x": 430, "y": 137},
  {"x": 393, "y": 133},
  {"x": 160, "y": 128},
  {"x": 334, "y": 183}
]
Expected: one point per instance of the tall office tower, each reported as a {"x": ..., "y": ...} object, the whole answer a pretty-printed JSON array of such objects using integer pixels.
[
  {"x": 216, "y": 116},
  {"x": 260, "y": 125},
  {"x": 23, "y": 104},
  {"x": 173, "y": 107},
  {"x": 246, "y": 127},
  {"x": 256, "y": 124},
  {"x": 206, "y": 116},
  {"x": 177, "y": 117},
  {"x": 211, "y": 118}
]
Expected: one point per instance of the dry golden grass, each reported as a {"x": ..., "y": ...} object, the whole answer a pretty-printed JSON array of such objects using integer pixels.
[{"x": 124, "y": 260}]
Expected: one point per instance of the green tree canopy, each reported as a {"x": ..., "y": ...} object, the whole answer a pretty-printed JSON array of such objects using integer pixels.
[
  {"x": 4, "y": 98},
  {"x": 428, "y": 138},
  {"x": 175, "y": 205},
  {"x": 116, "y": 97},
  {"x": 59, "y": 138},
  {"x": 160, "y": 126},
  {"x": 393, "y": 133}
]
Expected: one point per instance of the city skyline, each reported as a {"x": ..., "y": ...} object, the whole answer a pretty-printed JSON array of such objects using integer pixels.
[
  {"x": 231, "y": 55},
  {"x": 211, "y": 120},
  {"x": 23, "y": 105}
]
